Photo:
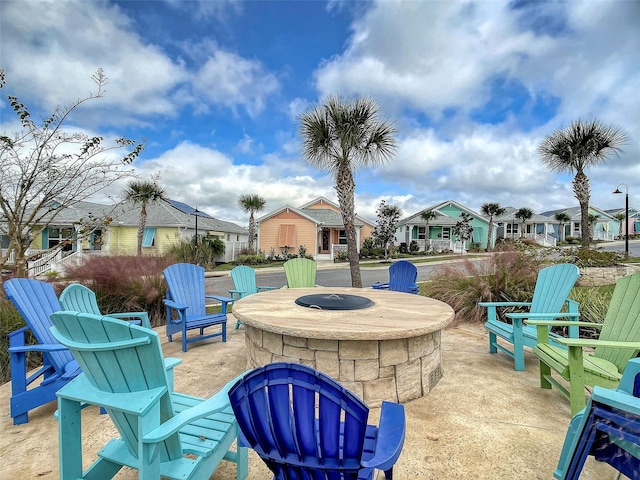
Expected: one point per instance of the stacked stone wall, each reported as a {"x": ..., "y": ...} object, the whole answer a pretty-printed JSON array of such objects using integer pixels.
[{"x": 396, "y": 370}]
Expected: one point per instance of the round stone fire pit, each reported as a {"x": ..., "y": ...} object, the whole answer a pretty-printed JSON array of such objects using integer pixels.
[{"x": 335, "y": 301}]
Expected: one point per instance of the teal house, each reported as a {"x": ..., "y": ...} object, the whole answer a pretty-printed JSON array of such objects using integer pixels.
[{"x": 437, "y": 234}]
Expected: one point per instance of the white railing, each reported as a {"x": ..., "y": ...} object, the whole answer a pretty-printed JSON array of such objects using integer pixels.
[
  {"x": 545, "y": 240},
  {"x": 605, "y": 236},
  {"x": 231, "y": 251},
  {"x": 43, "y": 264},
  {"x": 336, "y": 248}
]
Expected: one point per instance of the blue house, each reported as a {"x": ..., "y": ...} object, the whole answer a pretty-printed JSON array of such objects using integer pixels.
[{"x": 438, "y": 234}]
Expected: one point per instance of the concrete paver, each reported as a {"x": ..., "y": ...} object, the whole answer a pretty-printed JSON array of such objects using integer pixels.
[{"x": 483, "y": 420}]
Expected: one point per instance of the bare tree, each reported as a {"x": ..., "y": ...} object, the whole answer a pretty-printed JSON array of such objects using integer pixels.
[
  {"x": 45, "y": 167},
  {"x": 385, "y": 229}
]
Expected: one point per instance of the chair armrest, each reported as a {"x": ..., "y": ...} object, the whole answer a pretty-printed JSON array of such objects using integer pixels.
[
  {"x": 380, "y": 286},
  {"x": 543, "y": 316},
  {"x": 172, "y": 304},
  {"x": 586, "y": 342},
  {"x": 260, "y": 289},
  {"x": 391, "y": 431},
  {"x": 504, "y": 304},
  {"x": 219, "y": 401},
  {"x": 223, "y": 300},
  {"x": 564, "y": 323},
  {"x": 143, "y": 316},
  {"x": 239, "y": 293},
  {"x": 48, "y": 347}
]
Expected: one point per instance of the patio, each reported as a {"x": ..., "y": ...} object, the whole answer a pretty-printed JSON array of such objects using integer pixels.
[{"x": 483, "y": 420}]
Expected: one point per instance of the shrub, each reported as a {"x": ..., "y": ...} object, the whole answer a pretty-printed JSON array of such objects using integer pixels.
[
  {"x": 253, "y": 259},
  {"x": 413, "y": 246},
  {"x": 587, "y": 257},
  {"x": 508, "y": 276},
  {"x": 126, "y": 283},
  {"x": 594, "y": 302},
  {"x": 203, "y": 253},
  {"x": 11, "y": 321}
]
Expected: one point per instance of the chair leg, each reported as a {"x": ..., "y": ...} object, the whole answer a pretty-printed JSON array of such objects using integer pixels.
[
  {"x": 492, "y": 343},
  {"x": 545, "y": 370}
]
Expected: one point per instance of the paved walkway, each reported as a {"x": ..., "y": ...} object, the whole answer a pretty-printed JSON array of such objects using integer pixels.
[{"x": 483, "y": 420}]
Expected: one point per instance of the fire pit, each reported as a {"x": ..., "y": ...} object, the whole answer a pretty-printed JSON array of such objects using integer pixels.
[{"x": 335, "y": 301}]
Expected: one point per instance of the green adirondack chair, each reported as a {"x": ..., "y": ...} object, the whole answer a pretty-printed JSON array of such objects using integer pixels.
[
  {"x": 78, "y": 298},
  {"x": 244, "y": 284},
  {"x": 162, "y": 433},
  {"x": 550, "y": 294},
  {"x": 300, "y": 272},
  {"x": 619, "y": 341}
]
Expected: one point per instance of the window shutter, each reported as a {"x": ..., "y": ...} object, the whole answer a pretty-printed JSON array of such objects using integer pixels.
[{"x": 286, "y": 236}]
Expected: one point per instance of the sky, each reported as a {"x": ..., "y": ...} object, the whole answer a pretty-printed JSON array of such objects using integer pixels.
[{"x": 216, "y": 89}]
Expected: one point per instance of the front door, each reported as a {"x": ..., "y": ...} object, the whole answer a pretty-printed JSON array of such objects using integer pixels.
[{"x": 326, "y": 241}]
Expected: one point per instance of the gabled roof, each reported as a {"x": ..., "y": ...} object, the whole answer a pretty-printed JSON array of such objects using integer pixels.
[
  {"x": 320, "y": 216},
  {"x": 165, "y": 213},
  {"x": 574, "y": 212},
  {"x": 442, "y": 219},
  {"x": 509, "y": 216}
]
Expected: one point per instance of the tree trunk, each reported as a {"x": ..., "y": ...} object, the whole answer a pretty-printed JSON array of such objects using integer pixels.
[
  {"x": 582, "y": 192},
  {"x": 141, "y": 226},
  {"x": 252, "y": 231},
  {"x": 345, "y": 187}
]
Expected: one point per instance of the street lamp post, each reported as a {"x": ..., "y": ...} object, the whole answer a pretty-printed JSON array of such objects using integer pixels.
[{"x": 626, "y": 217}]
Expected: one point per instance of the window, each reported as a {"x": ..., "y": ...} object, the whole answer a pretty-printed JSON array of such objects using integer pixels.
[
  {"x": 149, "y": 237},
  {"x": 59, "y": 235},
  {"x": 287, "y": 236},
  {"x": 342, "y": 237},
  {"x": 446, "y": 233},
  {"x": 421, "y": 233},
  {"x": 512, "y": 228}
]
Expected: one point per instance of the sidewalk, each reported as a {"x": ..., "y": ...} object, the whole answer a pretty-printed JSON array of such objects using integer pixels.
[{"x": 483, "y": 420}]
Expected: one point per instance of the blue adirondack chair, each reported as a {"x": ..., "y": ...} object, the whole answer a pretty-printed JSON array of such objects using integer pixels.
[
  {"x": 550, "y": 295},
  {"x": 123, "y": 371},
  {"x": 36, "y": 301},
  {"x": 402, "y": 278},
  {"x": 79, "y": 298},
  {"x": 303, "y": 424},
  {"x": 608, "y": 428},
  {"x": 300, "y": 273},
  {"x": 186, "y": 296},
  {"x": 244, "y": 284}
]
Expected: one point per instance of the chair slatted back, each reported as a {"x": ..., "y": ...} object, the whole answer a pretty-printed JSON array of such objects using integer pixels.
[
  {"x": 622, "y": 322},
  {"x": 302, "y": 423},
  {"x": 119, "y": 357},
  {"x": 244, "y": 279},
  {"x": 300, "y": 272},
  {"x": 402, "y": 276},
  {"x": 36, "y": 301},
  {"x": 78, "y": 298},
  {"x": 186, "y": 286},
  {"x": 552, "y": 287}
]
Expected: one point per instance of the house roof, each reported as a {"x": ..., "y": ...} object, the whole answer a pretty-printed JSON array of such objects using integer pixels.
[
  {"x": 320, "y": 216},
  {"x": 509, "y": 216},
  {"x": 574, "y": 212},
  {"x": 442, "y": 218},
  {"x": 170, "y": 213}
]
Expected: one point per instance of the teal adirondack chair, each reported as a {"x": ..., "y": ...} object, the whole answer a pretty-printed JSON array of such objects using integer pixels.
[
  {"x": 79, "y": 298},
  {"x": 300, "y": 272},
  {"x": 244, "y": 284},
  {"x": 36, "y": 301},
  {"x": 123, "y": 371},
  {"x": 550, "y": 294},
  {"x": 619, "y": 341},
  {"x": 187, "y": 297}
]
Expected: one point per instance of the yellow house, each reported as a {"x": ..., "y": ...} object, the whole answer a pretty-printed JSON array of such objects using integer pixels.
[{"x": 316, "y": 227}]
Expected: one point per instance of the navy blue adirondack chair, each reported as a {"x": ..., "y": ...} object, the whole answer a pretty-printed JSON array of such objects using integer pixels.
[
  {"x": 402, "y": 278},
  {"x": 36, "y": 301},
  {"x": 187, "y": 297},
  {"x": 608, "y": 429},
  {"x": 303, "y": 424},
  {"x": 549, "y": 296}
]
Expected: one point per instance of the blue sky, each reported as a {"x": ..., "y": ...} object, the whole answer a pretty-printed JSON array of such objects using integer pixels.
[{"x": 216, "y": 88}]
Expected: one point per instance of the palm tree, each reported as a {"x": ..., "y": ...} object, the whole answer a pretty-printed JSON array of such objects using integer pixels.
[
  {"x": 340, "y": 136},
  {"x": 252, "y": 204},
  {"x": 491, "y": 210},
  {"x": 143, "y": 192},
  {"x": 523, "y": 215},
  {"x": 621, "y": 218},
  {"x": 427, "y": 216},
  {"x": 562, "y": 218},
  {"x": 573, "y": 149}
]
